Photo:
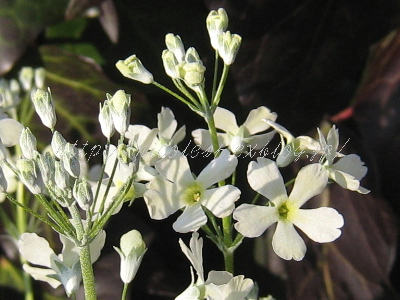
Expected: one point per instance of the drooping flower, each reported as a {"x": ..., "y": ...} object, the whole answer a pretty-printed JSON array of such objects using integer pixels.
[
  {"x": 322, "y": 224},
  {"x": 131, "y": 251},
  {"x": 348, "y": 170},
  {"x": 176, "y": 188},
  {"x": 292, "y": 147},
  {"x": 55, "y": 269},
  {"x": 238, "y": 139}
]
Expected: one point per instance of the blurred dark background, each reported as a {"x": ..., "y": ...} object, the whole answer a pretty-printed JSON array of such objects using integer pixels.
[{"x": 310, "y": 61}]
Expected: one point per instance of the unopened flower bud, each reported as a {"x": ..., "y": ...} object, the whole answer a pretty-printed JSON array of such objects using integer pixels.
[
  {"x": 39, "y": 77},
  {"x": 57, "y": 144},
  {"x": 26, "y": 78},
  {"x": 82, "y": 193},
  {"x": 171, "y": 64},
  {"x": 120, "y": 107},
  {"x": 133, "y": 68},
  {"x": 28, "y": 175},
  {"x": 61, "y": 176},
  {"x": 131, "y": 251},
  {"x": 193, "y": 70},
  {"x": 217, "y": 22},
  {"x": 228, "y": 46},
  {"x": 106, "y": 121},
  {"x": 70, "y": 160},
  {"x": 44, "y": 107},
  {"x": 45, "y": 163},
  {"x": 27, "y": 142},
  {"x": 174, "y": 44}
]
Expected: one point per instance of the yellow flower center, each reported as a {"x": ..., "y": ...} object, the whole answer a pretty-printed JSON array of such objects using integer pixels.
[{"x": 193, "y": 193}]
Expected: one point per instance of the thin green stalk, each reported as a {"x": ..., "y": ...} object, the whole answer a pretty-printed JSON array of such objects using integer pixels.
[
  {"x": 217, "y": 97},
  {"x": 214, "y": 86},
  {"x": 87, "y": 273},
  {"x": 124, "y": 291}
]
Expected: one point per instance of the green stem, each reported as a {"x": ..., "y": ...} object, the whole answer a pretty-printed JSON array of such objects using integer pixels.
[
  {"x": 124, "y": 291},
  {"x": 217, "y": 97},
  {"x": 87, "y": 273}
]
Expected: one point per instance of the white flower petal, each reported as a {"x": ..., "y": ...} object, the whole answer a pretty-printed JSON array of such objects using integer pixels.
[
  {"x": 36, "y": 250},
  {"x": 163, "y": 198},
  {"x": 255, "y": 120},
  {"x": 310, "y": 181},
  {"x": 320, "y": 224},
  {"x": 285, "y": 157},
  {"x": 265, "y": 178},
  {"x": 42, "y": 275},
  {"x": 203, "y": 138},
  {"x": 178, "y": 136},
  {"x": 166, "y": 123},
  {"x": 351, "y": 164},
  {"x": 191, "y": 219},
  {"x": 221, "y": 201},
  {"x": 345, "y": 180},
  {"x": 287, "y": 243},
  {"x": 260, "y": 141},
  {"x": 218, "y": 169},
  {"x": 281, "y": 130},
  {"x": 10, "y": 131},
  {"x": 194, "y": 254},
  {"x": 225, "y": 120},
  {"x": 332, "y": 143},
  {"x": 175, "y": 169},
  {"x": 253, "y": 220}
]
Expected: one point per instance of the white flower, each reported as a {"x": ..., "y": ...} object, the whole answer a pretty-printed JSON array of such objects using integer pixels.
[
  {"x": 220, "y": 285},
  {"x": 292, "y": 147},
  {"x": 236, "y": 138},
  {"x": 120, "y": 108},
  {"x": 131, "y": 251},
  {"x": 176, "y": 188},
  {"x": 120, "y": 177},
  {"x": 167, "y": 137},
  {"x": 62, "y": 269},
  {"x": 320, "y": 224},
  {"x": 217, "y": 22},
  {"x": 348, "y": 170}
]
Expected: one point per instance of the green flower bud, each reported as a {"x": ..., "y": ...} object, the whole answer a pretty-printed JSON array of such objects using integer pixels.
[
  {"x": 193, "y": 70},
  {"x": 174, "y": 44},
  {"x": 44, "y": 107},
  {"x": 46, "y": 163},
  {"x": 120, "y": 108},
  {"x": 83, "y": 193},
  {"x": 28, "y": 175},
  {"x": 106, "y": 121},
  {"x": 217, "y": 22},
  {"x": 61, "y": 176},
  {"x": 131, "y": 251},
  {"x": 171, "y": 64},
  {"x": 70, "y": 160},
  {"x": 133, "y": 68},
  {"x": 27, "y": 143},
  {"x": 26, "y": 78},
  {"x": 39, "y": 77},
  {"x": 228, "y": 46},
  {"x": 57, "y": 144}
]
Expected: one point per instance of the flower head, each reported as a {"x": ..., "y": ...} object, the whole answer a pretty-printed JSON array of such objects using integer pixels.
[
  {"x": 321, "y": 224},
  {"x": 348, "y": 170},
  {"x": 236, "y": 138},
  {"x": 176, "y": 188}
]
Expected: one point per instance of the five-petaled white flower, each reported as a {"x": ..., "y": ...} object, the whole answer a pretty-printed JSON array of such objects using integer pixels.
[
  {"x": 59, "y": 269},
  {"x": 176, "y": 188},
  {"x": 292, "y": 147},
  {"x": 238, "y": 138},
  {"x": 320, "y": 224},
  {"x": 348, "y": 170}
]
